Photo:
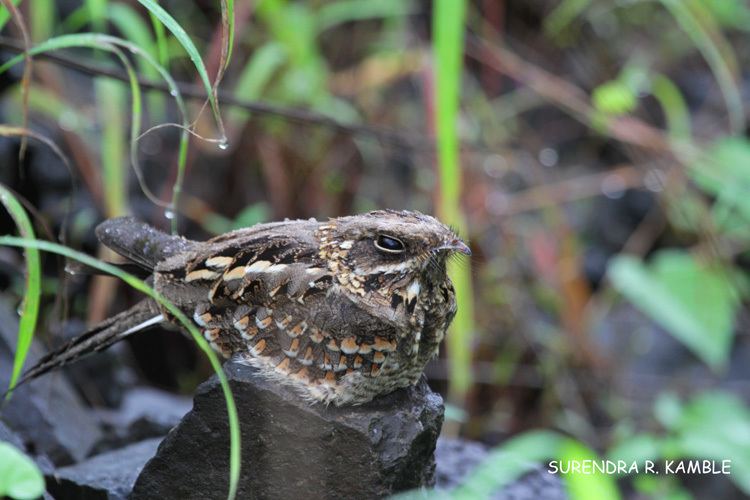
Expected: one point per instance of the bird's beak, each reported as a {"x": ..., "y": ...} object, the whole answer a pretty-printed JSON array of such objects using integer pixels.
[{"x": 456, "y": 245}]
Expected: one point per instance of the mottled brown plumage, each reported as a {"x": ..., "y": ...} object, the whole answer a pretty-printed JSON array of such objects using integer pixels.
[{"x": 342, "y": 310}]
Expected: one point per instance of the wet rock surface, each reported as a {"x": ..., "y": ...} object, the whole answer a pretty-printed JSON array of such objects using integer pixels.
[
  {"x": 8, "y": 436},
  {"x": 144, "y": 413},
  {"x": 46, "y": 414},
  {"x": 109, "y": 475},
  {"x": 291, "y": 449}
]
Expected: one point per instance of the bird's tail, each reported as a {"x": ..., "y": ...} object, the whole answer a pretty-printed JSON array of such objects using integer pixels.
[{"x": 110, "y": 331}]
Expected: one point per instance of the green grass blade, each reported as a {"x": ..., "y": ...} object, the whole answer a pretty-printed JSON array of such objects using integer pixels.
[
  {"x": 335, "y": 13},
  {"x": 448, "y": 29},
  {"x": 181, "y": 35},
  {"x": 227, "y": 12},
  {"x": 161, "y": 40},
  {"x": 43, "y": 18},
  {"x": 134, "y": 282},
  {"x": 76, "y": 20},
  {"x": 30, "y": 306},
  {"x": 674, "y": 106},
  {"x": 97, "y": 10},
  {"x": 5, "y": 15},
  {"x": 111, "y": 98},
  {"x": 254, "y": 77},
  {"x": 134, "y": 28}
]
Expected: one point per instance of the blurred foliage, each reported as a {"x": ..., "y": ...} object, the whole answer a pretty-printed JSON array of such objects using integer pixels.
[
  {"x": 713, "y": 426},
  {"x": 693, "y": 301}
]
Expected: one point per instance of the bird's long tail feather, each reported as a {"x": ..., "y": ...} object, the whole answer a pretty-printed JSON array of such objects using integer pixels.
[{"x": 110, "y": 331}]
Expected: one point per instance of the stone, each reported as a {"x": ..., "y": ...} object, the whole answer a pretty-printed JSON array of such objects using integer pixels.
[
  {"x": 535, "y": 484},
  {"x": 8, "y": 436},
  {"x": 144, "y": 413},
  {"x": 109, "y": 475},
  {"x": 292, "y": 449},
  {"x": 457, "y": 458},
  {"x": 46, "y": 413}
]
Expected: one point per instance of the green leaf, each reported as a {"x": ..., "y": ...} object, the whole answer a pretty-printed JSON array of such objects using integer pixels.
[
  {"x": 731, "y": 13},
  {"x": 636, "y": 449},
  {"x": 20, "y": 478},
  {"x": 256, "y": 74},
  {"x": 716, "y": 426},
  {"x": 614, "y": 98},
  {"x": 563, "y": 14},
  {"x": 668, "y": 410},
  {"x": 593, "y": 486},
  {"x": 523, "y": 453},
  {"x": 696, "y": 303},
  {"x": 509, "y": 461},
  {"x": 723, "y": 172},
  {"x": 251, "y": 215}
]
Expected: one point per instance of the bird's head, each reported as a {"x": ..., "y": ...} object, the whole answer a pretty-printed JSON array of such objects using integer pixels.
[{"x": 388, "y": 251}]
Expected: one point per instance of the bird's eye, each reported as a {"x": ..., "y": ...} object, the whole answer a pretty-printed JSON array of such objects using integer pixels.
[{"x": 389, "y": 244}]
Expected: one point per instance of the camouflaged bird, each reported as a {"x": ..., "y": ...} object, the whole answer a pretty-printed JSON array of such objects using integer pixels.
[{"x": 342, "y": 310}]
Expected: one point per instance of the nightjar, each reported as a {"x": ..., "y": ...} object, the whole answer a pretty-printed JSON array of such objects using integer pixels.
[{"x": 342, "y": 310}]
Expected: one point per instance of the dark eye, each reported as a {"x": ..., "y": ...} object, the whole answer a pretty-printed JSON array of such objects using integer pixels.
[{"x": 389, "y": 244}]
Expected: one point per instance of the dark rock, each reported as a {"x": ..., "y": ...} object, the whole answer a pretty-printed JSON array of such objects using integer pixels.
[
  {"x": 110, "y": 475},
  {"x": 46, "y": 413},
  {"x": 534, "y": 485},
  {"x": 7, "y": 435},
  {"x": 144, "y": 413},
  {"x": 456, "y": 460},
  {"x": 291, "y": 449},
  {"x": 103, "y": 379}
]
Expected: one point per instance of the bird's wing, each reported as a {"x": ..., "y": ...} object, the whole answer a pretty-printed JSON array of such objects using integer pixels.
[{"x": 268, "y": 297}]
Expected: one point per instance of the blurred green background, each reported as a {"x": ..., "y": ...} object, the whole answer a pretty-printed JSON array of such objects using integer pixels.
[{"x": 594, "y": 153}]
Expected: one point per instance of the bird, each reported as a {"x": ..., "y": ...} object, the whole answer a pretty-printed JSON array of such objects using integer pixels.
[{"x": 341, "y": 310}]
